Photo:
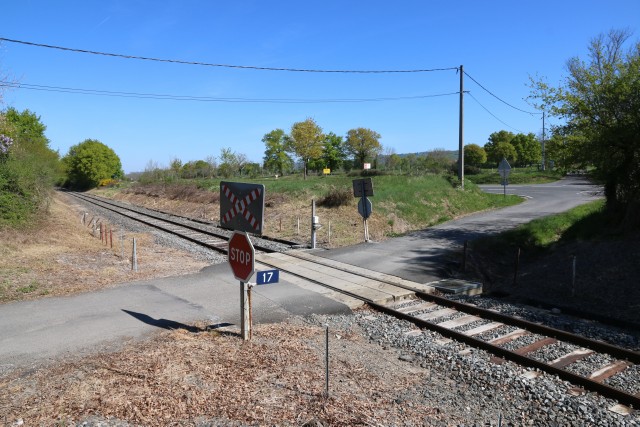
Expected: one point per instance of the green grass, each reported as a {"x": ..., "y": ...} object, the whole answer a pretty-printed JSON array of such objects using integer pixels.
[
  {"x": 420, "y": 200},
  {"x": 33, "y": 286},
  {"x": 580, "y": 223},
  {"x": 517, "y": 176}
]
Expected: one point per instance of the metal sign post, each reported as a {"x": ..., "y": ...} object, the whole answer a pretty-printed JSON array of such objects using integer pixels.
[
  {"x": 363, "y": 188},
  {"x": 504, "y": 169},
  {"x": 242, "y": 262}
]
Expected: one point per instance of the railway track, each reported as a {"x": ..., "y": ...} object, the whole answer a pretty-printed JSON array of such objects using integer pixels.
[
  {"x": 608, "y": 370},
  {"x": 200, "y": 232}
]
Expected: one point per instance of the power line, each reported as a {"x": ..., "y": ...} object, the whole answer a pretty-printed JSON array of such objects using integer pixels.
[
  {"x": 212, "y": 99},
  {"x": 494, "y": 116},
  {"x": 497, "y": 97},
  {"x": 246, "y": 67}
]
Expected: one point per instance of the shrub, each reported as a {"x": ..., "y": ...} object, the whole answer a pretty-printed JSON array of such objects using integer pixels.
[{"x": 336, "y": 197}]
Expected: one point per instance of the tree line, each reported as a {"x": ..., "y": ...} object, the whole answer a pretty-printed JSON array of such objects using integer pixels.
[
  {"x": 317, "y": 150},
  {"x": 598, "y": 104},
  {"x": 30, "y": 168},
  {"x": 519, "y": 149}
]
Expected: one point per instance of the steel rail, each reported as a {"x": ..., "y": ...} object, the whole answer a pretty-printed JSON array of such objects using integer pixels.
[
  {"x": 122, "y": 210},
  {"x": 599, "y": 346},
  {"x": 601, "y": 388}
]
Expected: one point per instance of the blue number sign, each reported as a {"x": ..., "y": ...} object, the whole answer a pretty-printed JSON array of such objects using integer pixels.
[{"x": 268, "y": 276}]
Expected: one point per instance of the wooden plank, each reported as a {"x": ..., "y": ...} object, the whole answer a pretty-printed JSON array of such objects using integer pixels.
[
  {"x": 460, "y": 321},
  {"x": 366, "y": 272},
  {"x": 483, "y": 328},
  {"x": 568, "y": 359},
  {"x": 379, "y": 295},
  {"x": 535, "y": 346},
  {"x": 610, "y": 370},
  {"x": 509, "y": 337}
]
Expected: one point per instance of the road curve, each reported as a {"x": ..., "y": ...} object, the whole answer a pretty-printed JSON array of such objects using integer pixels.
[{"x": 423, "y": 256}]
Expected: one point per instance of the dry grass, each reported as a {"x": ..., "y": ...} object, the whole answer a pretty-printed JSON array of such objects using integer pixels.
[
  {"x": 342, "y": 226},
  {"x": 179, "y": 378},
  {"x": 59, "y": 256}
]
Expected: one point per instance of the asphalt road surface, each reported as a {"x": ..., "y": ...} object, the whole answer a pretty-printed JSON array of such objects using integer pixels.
[
  {"x": 33, "y": 332},
  {"x": 424, "y": 256}
]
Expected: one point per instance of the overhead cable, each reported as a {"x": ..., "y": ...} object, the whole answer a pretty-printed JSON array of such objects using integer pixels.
[
  {"x": 498, "y": 98},
  {"x": 213, "y": 99},
  {"x": 494, "y": 116},
  {"x": 247, "y": 67}
]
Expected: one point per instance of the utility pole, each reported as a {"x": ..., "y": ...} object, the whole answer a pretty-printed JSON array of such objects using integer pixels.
[
  {"x": 461, "y": 132},
  {"x": 544, "y": 157}
]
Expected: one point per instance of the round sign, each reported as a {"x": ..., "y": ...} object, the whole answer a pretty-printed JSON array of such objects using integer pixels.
[{"x": 241, "y": 256}]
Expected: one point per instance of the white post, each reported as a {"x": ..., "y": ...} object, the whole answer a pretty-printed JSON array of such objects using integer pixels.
[
  {"x": 313, "y": 225},
  {"x": 134, "y": 257}
]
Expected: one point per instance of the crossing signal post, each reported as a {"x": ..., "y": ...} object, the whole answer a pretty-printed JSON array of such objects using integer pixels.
[
  {"x": 242, "y": 210},
  {"x": 363, "y": 188}
]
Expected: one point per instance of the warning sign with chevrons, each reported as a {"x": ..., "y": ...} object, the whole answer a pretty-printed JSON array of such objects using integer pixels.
[{"x": 242, "y": 206}]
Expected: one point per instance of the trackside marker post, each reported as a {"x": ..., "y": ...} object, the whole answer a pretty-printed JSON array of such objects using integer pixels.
[{"x": 242, "y": 262}]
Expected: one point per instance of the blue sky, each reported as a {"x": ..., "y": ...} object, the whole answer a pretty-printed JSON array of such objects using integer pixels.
[{"x": 499, "y": 43}]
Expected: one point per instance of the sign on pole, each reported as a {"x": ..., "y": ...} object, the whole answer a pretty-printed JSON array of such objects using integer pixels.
[
  {"x": 242, "y": 207},
  {"x": 362, "y": 187},
  {"x": 268, "y": 276},
  {"x": 504, "y": 169},
  {"x": 241, "y": 256},
  {"x": 364, "y": 207}
]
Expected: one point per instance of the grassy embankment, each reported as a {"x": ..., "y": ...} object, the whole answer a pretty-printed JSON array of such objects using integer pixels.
[
  {"x": 400, "y": 204},
  {"x": 529, "y": 175},
  {"x": 584, "y": 222}
]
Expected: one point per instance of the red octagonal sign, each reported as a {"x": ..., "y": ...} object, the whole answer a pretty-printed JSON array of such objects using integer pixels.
[{"x": 241, "y": 256}]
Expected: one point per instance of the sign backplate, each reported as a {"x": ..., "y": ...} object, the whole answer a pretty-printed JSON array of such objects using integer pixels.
[{"x": 242, "y": 207}]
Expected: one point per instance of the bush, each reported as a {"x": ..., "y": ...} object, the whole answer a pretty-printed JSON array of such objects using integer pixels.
[{"x": 336, "y": 197}]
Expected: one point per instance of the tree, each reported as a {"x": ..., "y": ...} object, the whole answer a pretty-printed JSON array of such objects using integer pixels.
[
  {"x": 600, "y": 105},
  {"x": 363, "y": 143},
  {"x": 306, "y": 141},
  {"x": 28, "y": 167},
  {"x": 231, "y": 163},
  {"x": 474, "y": 155},
  {"x": 333, "y": 153},
  {"x": 90, "y": 162},
  {"x": 499, "y": 147},
  {"x": 528, "y": 149},
  {"x": 276, "y": 158}
]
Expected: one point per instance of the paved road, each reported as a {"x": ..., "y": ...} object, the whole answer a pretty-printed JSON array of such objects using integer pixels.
[
  {"x": 424, "y": 256},
  {"x": 48, "y": 329}
]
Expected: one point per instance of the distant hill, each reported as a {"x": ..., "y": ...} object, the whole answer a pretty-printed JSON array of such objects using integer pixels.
[{"x": 451, "y": 154}]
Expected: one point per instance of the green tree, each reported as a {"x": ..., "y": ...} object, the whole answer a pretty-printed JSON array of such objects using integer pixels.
[
  {"x": 276, "y": 158},
  {"x": 499, "y": 146},
  {"x": 333, "y": 153},
  {"x": 528, "y": 149},
  {"x": 364, "y": 144},
  {"x": 231, "y": 163},
  {"x": 28, "y": 167},
  {"x": 306, "y": 141},
  {"x": 474, "y": 155},
  {"x": 90, "y": 162},
  {"x": 600, "y": 106},
  {"x": 502, "y": 150}
]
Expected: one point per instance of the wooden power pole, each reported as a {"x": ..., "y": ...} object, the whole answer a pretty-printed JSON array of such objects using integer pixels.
[{"x": 461, "y": 132}]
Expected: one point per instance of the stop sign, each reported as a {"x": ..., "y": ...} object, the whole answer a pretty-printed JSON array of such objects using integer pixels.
[{"x": 241, "y": 256}]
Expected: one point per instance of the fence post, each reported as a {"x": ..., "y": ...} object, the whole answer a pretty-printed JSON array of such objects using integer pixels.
[{"x": 134, "y": 257}]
